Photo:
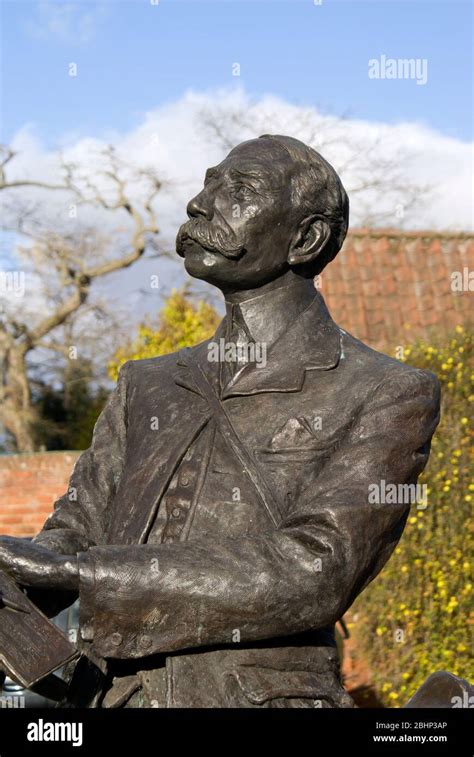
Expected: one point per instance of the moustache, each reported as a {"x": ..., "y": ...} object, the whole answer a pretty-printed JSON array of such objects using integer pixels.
[{"x": 213, "y": 238}]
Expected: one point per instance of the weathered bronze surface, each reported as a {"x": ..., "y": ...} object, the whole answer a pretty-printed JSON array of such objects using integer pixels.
[
  {"x": 226, "y": 514},
  {"x": 31, "y": 646}
]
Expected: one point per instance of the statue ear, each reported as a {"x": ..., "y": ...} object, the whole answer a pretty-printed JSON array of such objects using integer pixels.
[{"x": 309, "y": 240}]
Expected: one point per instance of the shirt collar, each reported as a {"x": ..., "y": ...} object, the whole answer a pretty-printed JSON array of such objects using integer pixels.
[
  {"x": 312, "y": 342},
  {"x": 267, "y": 316}
]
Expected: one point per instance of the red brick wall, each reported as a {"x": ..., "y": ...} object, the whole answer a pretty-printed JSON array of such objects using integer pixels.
[{"x": 29, "y": 485}]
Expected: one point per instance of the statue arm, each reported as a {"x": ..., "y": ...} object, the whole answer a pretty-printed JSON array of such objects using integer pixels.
[
  {"x": 77, "y": 521},
  {"x": 143, "y": 599}
]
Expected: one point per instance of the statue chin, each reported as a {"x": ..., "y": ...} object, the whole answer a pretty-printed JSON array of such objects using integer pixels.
[{"x": 208, "y": 266}]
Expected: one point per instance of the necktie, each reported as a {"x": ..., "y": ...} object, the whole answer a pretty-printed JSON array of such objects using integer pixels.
[{"x": 239, "y": 336}]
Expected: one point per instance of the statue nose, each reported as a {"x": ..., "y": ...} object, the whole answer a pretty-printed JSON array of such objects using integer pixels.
[{"x": 200, "y": 206}]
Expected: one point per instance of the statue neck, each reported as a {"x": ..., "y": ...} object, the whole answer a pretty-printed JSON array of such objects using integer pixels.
[{"x": 271, "y": 309}]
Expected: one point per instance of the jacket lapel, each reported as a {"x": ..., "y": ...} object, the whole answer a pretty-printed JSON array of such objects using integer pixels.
[{"x": 313, "y": 343}]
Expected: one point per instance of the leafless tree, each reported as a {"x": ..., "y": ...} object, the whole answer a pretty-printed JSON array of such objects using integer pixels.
[{"x": 60, "y": 266}]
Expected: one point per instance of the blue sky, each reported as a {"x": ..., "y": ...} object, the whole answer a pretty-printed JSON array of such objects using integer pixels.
[
  {"x": 145, "y": 71},
  {"x": 135, "y": 56}
]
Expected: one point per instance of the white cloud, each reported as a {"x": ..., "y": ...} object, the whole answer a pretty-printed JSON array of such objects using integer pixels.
[
  {"x": 68, "y": 23},
  {"x": 173, "y": 140}
]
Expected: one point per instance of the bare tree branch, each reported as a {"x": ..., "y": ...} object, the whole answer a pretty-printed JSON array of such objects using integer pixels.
[{"x": 66, "y": 264}]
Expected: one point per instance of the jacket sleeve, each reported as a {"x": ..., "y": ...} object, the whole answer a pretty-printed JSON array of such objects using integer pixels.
[
  {"x": 77, "y": 521},
  {"x": 303, "y": 575}
]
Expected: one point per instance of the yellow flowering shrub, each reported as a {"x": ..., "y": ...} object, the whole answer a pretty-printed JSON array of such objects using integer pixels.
[
  {"x": 181, "y": 323},
  {"x": 416, "y": 617}
]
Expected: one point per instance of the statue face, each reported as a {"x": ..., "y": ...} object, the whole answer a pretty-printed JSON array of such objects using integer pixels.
[{"x": 242, "y": 221}]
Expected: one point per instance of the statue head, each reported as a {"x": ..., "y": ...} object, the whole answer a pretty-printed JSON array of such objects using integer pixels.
[{"x": 272, "y": 205}]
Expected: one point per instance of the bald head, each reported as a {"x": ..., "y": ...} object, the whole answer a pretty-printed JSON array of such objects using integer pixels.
[
  {"x": 271, "y": 207},
  {"x": 316, "y": 188}
]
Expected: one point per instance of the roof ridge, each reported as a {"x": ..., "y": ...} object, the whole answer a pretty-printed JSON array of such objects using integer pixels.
[{"x": 376, "y": 233}]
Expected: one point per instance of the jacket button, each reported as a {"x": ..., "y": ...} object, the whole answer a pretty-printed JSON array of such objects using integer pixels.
[
  {"x": 145, "y": 641},
  {"x": 176, "y": 512},
  {"x": 116, "y": 639},
  {"x": 184, "y": 480}
]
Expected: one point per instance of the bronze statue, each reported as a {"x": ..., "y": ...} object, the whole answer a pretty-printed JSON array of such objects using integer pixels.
[{"x": 222, "y": 520}]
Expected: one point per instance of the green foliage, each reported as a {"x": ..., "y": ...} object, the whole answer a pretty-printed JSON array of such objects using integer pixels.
[
  {"x": 425, "y": 590},
  {"x": 67, "y": 414},
  {"x": 181, "y": 323}
]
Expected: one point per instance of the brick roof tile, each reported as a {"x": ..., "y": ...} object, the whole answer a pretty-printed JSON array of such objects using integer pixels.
[{"x": 387, "y": 285}]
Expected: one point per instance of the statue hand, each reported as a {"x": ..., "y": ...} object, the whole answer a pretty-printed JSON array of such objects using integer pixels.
[{"x": 30, "y": 564}]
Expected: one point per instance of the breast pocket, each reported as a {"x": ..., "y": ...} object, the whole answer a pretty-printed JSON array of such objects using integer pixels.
[
  {"x": 294, "y": 455},
  {"x": 300, "y": 441},
  {"x": 291, "y": 467},
  {"x": 296, "y": 459}
]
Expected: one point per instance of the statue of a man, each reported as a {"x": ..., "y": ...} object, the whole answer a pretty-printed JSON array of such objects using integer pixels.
[{"x": 224, "y": 518}]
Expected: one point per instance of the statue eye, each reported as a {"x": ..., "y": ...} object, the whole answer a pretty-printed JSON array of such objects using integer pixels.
[{"x": 242, "y": 191}]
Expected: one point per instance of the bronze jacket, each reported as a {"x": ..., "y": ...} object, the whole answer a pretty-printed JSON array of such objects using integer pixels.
[{"x": 238, "y": 609}]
